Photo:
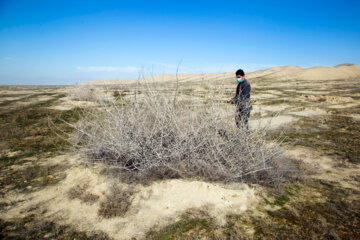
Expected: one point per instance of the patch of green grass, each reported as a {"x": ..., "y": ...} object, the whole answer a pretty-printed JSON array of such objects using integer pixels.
[
  {"x": 345, "y": 111},
  {"x": 32, "y": 177},
  {"x": 25, "y": 98},
  {"x": 282, "y": 195},
  {"x": 119, "y": 95},
  {"x": 279, "y": 201},
  {"x": 336, "y": 218},
  {"x": 116, "y": 94},
  {"x": 27, "y": 130},
  {"x": 31, "y": 228},
  {"x": 6, "y": 161},
  {"x": 188, "y": 91},
  {"x": 183, "y": 229},
  {"x": 280, "y": 101},
  {"x": 337, "y": 135}
]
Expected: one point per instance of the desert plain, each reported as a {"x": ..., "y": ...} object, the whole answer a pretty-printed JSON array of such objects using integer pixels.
[{"x": 50, "y": 191}]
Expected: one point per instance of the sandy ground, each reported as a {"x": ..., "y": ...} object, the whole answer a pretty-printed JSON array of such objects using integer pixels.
[
  {"x": 156, "y": 205},
  {"x": 326, "y": 168},
  {"x": 67, "y": 103},
  {"x": 164, "y": 202},
  {"x": 271, "y": 122}
]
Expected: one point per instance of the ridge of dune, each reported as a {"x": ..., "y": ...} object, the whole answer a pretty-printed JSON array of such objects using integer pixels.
[
  {"x": 328, "y": 73},
  {"x": 341, "y": 71},
  {"x": 344, "y": 64},
  {"x": 276, "y": 71},
  {"x": 106, "y": 82}
]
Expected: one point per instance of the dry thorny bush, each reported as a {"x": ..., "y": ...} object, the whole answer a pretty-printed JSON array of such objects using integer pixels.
[
  {"x": 87, "y": 93},
  {"x": 160, "y": 135}
]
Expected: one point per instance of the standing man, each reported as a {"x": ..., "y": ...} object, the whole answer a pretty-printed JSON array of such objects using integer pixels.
[{"x": 242, "y": 100}]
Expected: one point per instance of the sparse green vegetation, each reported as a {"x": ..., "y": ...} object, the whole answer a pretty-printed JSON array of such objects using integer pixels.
[
  {"x": 26, "y": 130},
  {"x": 336, "y": 218},
  {"x": 336, "y": 135},
  {"x": 184, "y": 229},
  {"x": 31, "y": 178},
  {"x": 32, "y": 228},
  {"x": 279, "y": 101},
  {"x": 116, "y": 94},
  {"x": 24, "y": 98},
  {"x": 310, "y": 209}
]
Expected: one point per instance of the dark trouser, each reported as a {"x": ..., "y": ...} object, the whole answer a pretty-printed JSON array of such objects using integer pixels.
[{"x": 242, "y": 119}]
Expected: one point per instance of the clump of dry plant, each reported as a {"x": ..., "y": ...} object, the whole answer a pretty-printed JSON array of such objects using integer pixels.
[
  {"x": 159, "y": 134},
  {"x": 88, "y": 93},
  {"x": 80, "y": 192},
  {"x": 117, "y": 203}
]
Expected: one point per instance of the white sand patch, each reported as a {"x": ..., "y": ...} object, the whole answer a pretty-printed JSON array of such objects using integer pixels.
[
  {"x": 41, "y": 98},
  {"x": 61, "y": 108},
  {"x": 28, "y": 101},
  {"x": 264, "y": 96},
  {"x": 157, "y": 205},
  {"x": 355, "y": 116},
  {"x": 66, "y": 104},
  {"x": 271, "y": 108},
  {"x": 313, "y": 92},
  {"x": 271, "y": 122},
  {"x": 308, "y": 156},
  {"x": 276, "y": 92},
  {"x": 9, "y": 153},
  {"x": 344, "y": 105},
  {"x": 326, "y": 167},
  {"x": 309, "y": 112},
  {"x": 10, "y": 98},
  {"x": 16, "y": 91},
  {"x": 162, "y": 203}
]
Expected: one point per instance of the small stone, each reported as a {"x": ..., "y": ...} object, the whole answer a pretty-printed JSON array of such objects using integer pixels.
[{"x": 47, "y": 235}]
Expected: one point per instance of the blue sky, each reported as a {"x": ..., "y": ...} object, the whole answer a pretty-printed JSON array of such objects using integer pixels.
[{"x": 64, "y": 42}]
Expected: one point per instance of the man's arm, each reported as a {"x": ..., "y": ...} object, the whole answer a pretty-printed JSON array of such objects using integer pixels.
[{"x": 235, "y": 99}]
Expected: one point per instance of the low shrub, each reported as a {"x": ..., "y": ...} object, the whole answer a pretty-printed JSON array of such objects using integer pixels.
[{"x": 159, "y": 136}]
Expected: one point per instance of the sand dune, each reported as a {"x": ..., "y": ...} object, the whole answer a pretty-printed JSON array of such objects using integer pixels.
[{"x": 342, "y": 71}]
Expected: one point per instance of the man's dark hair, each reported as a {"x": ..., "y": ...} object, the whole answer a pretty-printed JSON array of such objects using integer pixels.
[{"x": 240, "y": 72}]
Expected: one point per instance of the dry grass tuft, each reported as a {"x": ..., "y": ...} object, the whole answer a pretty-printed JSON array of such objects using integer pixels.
[
  {"x": 117, "y": 202},
  {"x": 80, "y": 192},
  {"x": 88, "y": 93}
]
